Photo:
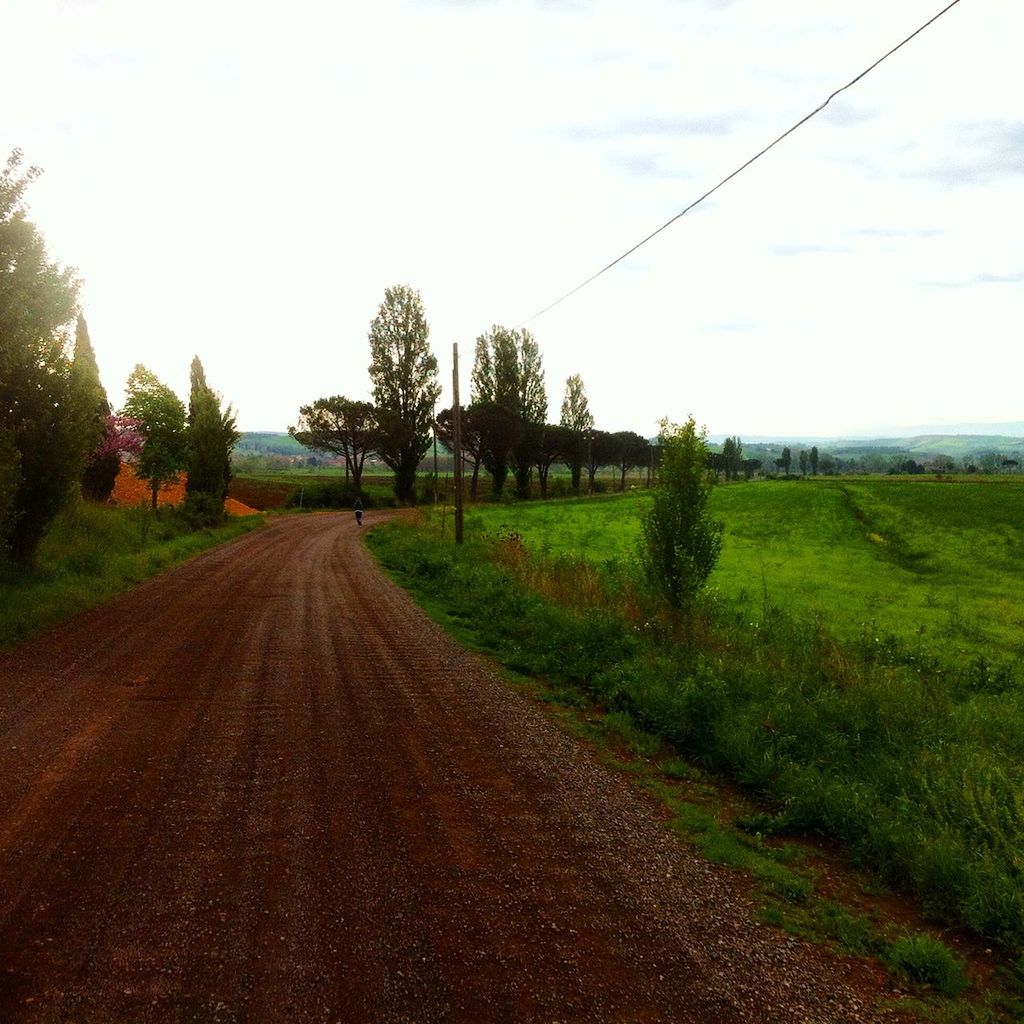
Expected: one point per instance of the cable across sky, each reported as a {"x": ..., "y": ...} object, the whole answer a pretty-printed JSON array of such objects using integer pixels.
[{"x": 742, "y": 167}]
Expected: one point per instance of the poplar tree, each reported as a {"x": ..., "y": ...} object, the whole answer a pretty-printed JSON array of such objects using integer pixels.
[
  {"x": 681, "y": 542},
  {"x": 405, "y": 384},
  {"x": 508, "y": 398},
  {"x": 577, "y": 419}
]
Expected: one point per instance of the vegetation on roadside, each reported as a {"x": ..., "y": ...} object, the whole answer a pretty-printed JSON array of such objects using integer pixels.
[
  {"x": 92, "y": 552},
  {"x": 59, "y": 440},
  {"x": 915, "y": 764}
]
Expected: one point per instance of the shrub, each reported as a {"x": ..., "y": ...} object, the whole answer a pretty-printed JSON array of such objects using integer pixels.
[
  {"x": 681, "y": 542},
  {"x": 201, "y": 509}
]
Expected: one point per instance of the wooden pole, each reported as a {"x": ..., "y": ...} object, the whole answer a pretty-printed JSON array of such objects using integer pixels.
[
  {"x": 434, "y": 417},
  {"x": 457, "y": 442},
  {"x": 590, "y": 462}
]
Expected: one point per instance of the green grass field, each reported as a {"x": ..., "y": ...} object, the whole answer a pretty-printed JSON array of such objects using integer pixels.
[
  {"x": 937, "y": 564},
  {"x": 860, "y": 668}
]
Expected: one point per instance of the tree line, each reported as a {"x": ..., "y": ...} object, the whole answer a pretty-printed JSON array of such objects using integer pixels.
[
  {"x": 60, "y": 439},
  {"x": 505, "y": 428}
]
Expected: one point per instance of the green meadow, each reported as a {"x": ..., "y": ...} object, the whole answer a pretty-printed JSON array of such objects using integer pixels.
[
  {"x": 858, "y": 667},
  {"x": 937, "y": 564}
]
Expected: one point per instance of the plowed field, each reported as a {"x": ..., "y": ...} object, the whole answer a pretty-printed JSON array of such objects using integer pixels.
[{"x": 130, "y": 490}]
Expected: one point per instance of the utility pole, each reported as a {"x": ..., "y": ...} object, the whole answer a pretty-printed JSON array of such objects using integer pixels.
[
  {"x": 590, "y": 462},
  {"x": 457, "y": 442},
  {"x": 434, "y": 419}
]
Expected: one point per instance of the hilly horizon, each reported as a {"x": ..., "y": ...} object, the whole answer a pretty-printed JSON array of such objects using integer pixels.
[{"x": 952, "y": 439}]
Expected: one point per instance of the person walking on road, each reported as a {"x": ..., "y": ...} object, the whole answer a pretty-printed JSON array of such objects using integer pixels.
[{"x": 359, "y": 511}]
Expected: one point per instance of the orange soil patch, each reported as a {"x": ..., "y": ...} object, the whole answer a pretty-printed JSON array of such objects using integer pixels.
[
  {"x": 236, "y": 508},
  {"x": 130, "y": 490}
]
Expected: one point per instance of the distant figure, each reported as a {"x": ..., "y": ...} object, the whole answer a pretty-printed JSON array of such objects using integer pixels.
[{"x": 359, "y": 511}]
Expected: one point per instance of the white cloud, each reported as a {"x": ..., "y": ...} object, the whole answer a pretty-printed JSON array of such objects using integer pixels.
[{"x": 243, "y": 180}]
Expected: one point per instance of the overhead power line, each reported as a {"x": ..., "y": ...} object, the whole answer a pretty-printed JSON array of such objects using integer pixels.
[{"x": 744, "y": 166}]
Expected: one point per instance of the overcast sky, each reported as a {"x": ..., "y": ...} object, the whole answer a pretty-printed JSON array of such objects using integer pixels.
[{"x": 242, "y": 179}]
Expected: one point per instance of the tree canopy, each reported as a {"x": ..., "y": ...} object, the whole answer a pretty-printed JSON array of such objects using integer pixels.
[
  {"x": 161, "y": 417},
  {"x": 507, "y": 390},
  {"x": 46, "y": 416},
  {"x": 405, "y": 384},
  {"x": 211, "y": 436},
  {"x": 339, "y": 426},
  {"x": 577, "y": 419},
  {"x": 681, "y": 542}
]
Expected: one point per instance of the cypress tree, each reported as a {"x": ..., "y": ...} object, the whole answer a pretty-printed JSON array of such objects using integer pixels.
[
  {"x": 212, "y": 436},
  {"x": 100, "y": 469}
]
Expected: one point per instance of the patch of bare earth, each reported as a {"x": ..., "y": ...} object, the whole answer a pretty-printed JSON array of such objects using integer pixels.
[{"x": 265, "y": 787}]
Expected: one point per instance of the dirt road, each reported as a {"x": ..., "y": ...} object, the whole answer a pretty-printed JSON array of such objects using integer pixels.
[{"x": 264, "y": 787}]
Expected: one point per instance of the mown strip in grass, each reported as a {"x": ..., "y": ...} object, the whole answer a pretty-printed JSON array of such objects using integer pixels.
[
  {"x": 916, "y": 768},
  {"x": 92, "y": 552}
]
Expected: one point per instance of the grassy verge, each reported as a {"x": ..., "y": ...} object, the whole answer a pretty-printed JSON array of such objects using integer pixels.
[
  {"x": 916, "y": 768},
  {"x": 90, "y": 553}
]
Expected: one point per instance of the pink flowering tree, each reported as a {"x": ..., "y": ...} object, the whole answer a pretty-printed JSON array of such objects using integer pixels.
[{"x": 122, "y": 438}]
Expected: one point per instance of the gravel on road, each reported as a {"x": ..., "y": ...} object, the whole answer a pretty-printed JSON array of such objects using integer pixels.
[{"x": 264, "y": 786}]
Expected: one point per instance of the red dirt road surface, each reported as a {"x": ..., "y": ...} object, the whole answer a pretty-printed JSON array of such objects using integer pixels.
[{"x": 264, "y": 787}]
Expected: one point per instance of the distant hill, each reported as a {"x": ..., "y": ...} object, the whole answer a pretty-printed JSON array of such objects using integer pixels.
[
  {"x": 952, "y": 444},
  {"x": 269, "y": 442}
]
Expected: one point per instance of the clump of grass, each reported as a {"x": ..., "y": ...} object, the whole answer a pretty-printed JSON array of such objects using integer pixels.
[{"x": 927, "y": 961}]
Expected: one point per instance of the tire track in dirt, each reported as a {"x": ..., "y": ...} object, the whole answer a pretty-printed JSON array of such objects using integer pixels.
[{"x": 264, "y": 787}]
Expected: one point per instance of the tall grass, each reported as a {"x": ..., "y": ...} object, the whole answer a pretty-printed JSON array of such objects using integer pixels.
[
  {"x": 91, "y": 552},
  {"x": 914, "y": 762}
]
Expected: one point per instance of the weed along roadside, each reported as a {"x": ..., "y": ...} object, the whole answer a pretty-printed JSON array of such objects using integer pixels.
[
  {"x": 92, "y": 552},
  {"x": 912, "y": 765}
]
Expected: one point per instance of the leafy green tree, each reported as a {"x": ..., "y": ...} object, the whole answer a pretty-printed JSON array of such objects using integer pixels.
[
  {"x": 732, "y": 457},
  {"x": 339, "y": 426},
  {"x": 554, "y": 440},
  {"x": 814, "y": 460},
  {"x": 472, "y": 441},
  {"x": 577, "y": 419},
  {"x": 681, "y": 542},
  {"x": 804, "y": 461},
  {"x": 211, "y": 435},
  {"x": 44, "y": 426},
  {"x": 602, "y": 450},
  {"x": 785, "y": 460},
  {"x": 499, "y": 430},
  {"x": 507, "y": 373},
  {"x": 161, "y": 417},
  {"x": 631, "y": 450},
  {"x": 405, "y": 384}
]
